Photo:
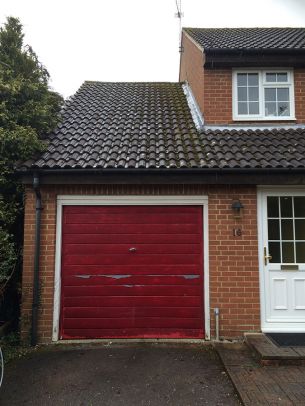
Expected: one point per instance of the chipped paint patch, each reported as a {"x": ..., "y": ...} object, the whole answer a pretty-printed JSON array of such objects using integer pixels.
[
  {"x": 116, "y": 276},
  {"x": 190, "y": 276},
  {"x": 83, "y": 276}
]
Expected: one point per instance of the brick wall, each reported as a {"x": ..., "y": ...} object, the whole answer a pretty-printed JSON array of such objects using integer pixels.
[
  {"x": 234, "y": 278},
  {"x": 299, "y": 94},
  {"x": 212, "y": 88},
  {"x": 191, "y": 69}
]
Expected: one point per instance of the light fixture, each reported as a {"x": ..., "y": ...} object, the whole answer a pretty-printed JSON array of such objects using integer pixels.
[{"x": 237, "y": 208}]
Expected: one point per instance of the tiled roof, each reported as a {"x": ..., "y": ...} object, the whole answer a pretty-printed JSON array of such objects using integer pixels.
[
  {"x": 124, "y": 125},
  {"x": 249, "y": 38},
  {"x": 150, "y": 126},
  {"x": 261, "y": 149}
]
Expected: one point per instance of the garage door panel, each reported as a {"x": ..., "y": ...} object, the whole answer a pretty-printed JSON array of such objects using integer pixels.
[
  {"x": 126, "y": 218},
  {"x": 131, "y": 209},
  {"x": 133, "y": 228},
  {"x": 131, "y": 290},
  {"x": 155, "y": 290},
  {"x": 133, "y": 301},
  {"x": 134, "y": 322},
  {"x": 131, "y": 238},
  {"x": 131, "y": 259},
  {"x": 133, "y": 333},
  {"x": 101, "y": 312},
  {"x": 122, "y": 269},
  {"x": 96, "y": 249},
  {"x": 104, "y": 280}
]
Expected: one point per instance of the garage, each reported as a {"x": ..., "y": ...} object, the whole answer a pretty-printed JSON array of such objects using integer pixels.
[{"x": 131, "y": 271}]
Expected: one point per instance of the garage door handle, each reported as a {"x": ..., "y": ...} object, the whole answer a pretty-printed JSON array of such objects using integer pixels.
[{"x": 132, "y": 249}]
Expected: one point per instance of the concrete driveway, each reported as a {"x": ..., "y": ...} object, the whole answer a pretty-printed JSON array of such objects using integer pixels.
[{"x": 134, "y": 374}]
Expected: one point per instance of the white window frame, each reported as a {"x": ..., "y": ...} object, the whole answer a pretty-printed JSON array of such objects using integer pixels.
[{"x": 262, "y": 83}]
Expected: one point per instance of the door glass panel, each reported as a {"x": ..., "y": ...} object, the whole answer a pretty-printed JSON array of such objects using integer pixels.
[
  {"x": 273, "y": 206},
  {"x": 299, "y": 206},
  {"x": 300, "y": 229},
  {"x": 287, "y": 229},
  {"x": 286, "y": 206},
  {"x": 300, "y": 251},
  {"x": 275, "y": 252},
  {"x": 288, "y": 252},
  {"x": 273, "y": 229}
]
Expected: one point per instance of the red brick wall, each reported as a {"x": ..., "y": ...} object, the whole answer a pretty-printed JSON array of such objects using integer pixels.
[
  {"x": 191, "y": 69},
  {"x": 218, "y": 96},
  {"x": 299, "y": 94},
  {"x": 234, "y": 278}
]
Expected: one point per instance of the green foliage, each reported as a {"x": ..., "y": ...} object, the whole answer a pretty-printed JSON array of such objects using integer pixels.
[{"x": 28, "y": 111}]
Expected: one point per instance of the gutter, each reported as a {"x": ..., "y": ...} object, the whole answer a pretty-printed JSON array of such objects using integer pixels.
[
  {"x": 35, "y": 303},
  {"x": 164, "y": 171}
]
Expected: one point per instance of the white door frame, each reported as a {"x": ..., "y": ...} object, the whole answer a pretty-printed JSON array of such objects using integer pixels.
[
  {"x": 262, "y": 192},
  {"x": 70, "y": 200}
]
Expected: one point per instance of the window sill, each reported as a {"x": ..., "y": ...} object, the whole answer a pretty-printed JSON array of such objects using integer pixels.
[{"x": 275, "y": 119}]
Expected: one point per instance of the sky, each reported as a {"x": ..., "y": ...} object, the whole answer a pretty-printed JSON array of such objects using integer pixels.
[{"x": 130, "y": 40}]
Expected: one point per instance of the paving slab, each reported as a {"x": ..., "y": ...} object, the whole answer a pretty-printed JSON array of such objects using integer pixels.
[
  {"x": 262, "y": 385},
  {"x": 120, "y": 375}
]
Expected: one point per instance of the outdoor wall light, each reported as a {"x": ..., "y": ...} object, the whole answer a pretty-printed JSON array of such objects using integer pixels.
[{"x": 237, "y": 208}]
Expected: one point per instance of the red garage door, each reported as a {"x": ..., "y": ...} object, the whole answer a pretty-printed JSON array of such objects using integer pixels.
[{"x": 132, "y": 271}]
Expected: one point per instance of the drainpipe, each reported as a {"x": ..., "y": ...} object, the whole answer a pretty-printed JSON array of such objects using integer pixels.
[
  {"x": 216, "y": 311},
  {"x": 35, "y": 304}
]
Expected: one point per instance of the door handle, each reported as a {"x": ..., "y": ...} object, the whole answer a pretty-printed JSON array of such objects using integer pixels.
[
  {"x": 132, "y": 249},
  {"x": 267, "y": 257}
]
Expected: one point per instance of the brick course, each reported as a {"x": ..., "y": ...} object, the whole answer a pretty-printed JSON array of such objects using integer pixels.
[{"x": 234, "y": 277}]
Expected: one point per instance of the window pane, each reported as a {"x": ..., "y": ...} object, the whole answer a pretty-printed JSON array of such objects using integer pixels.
[
  {"x": 300, "y": 251},
  {"x": 242, "y": 94},
  {"x": 283, "y": 94},
  {"x": 252, "y": 79},
  {"x": 282, "y": 77},
  {"x": 253, "y": 93},
  {"x": 299, "y": 206},
  {"x": 270, "y": 94},
  {"x": 242, "y": 79},
  {"x": 273, "y": 206},
  {"x": 283, "y": 109},
  {"x": 288, "y": 252},
  {"x": 270, "y": 77},
  {"x": 242, "y": 108},
  {"x": 270, "y": 109},
  {"x": 300, "y": 229},
  {"x": 286, "y": 206},
  {"x": 253, "y": 108},
  {"x": 287, "y": 229},
  {"x": 273, "y": 230},
  {"x": 275, "y": 252}
]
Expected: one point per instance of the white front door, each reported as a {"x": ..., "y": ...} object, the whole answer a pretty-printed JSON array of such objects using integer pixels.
[{"x": 282, "y": 262}]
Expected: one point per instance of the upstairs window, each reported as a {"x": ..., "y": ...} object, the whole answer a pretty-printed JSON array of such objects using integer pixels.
[{"x": 263, "y": 95}]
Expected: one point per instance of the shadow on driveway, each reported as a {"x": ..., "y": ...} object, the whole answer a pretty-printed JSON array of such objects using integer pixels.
[{"x": 139, "y": 374}]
